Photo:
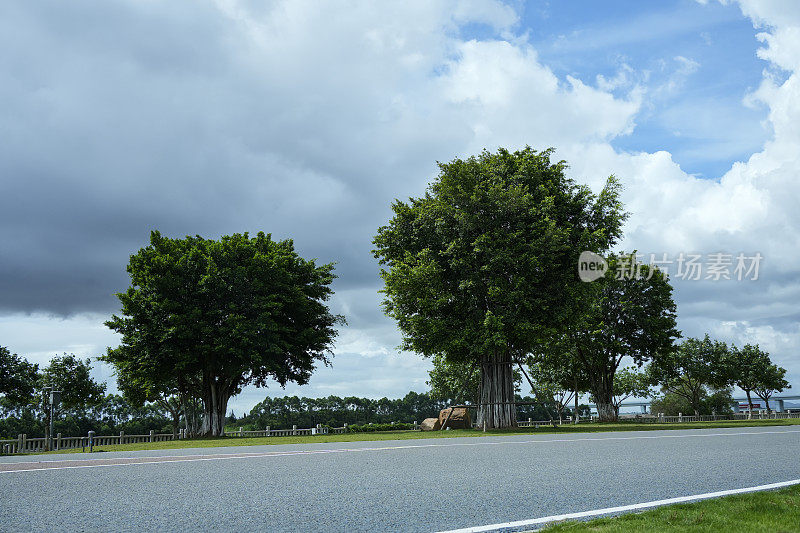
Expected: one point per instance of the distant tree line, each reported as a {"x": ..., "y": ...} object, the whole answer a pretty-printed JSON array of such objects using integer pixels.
[
  {"x": 696, "y": 377},
  {"x": 284, "y": 412},
  {"x": 334, "y": 411},
  {"x": 84, "y": 406}
]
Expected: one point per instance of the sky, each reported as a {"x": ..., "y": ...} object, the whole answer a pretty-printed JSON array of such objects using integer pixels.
[{"x": 307, "y": 119}]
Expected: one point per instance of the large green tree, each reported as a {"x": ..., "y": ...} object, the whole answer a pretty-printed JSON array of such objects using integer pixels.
[
  {"x": 482, "y": 267},
  {"x": 689, "y": 371},
  {"x": 629, "y": 312},
  {"x": 223, "y": 314}
]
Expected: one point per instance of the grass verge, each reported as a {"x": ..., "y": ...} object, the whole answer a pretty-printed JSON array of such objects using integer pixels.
[
  {"x": 404, "y": 435},
  {"x": 769, "y": 511}
]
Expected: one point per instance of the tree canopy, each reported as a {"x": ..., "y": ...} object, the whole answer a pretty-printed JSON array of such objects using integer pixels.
[
  {"x": 222, "y": 314},
  {"x": 482, "y": 267}
]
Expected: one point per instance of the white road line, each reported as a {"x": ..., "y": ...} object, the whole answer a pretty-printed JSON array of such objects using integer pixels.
[
  {"x": 622, "y": 508},
  {"x": 138, "y": 460}
]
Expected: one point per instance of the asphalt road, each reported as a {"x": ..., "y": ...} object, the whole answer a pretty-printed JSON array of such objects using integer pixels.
[{"x": 416, "y": 485}]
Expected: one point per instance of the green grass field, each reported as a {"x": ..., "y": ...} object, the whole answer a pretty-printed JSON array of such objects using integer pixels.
[
  {"x": 769, "y": 511},
  {"x": 403, "y": 435}
]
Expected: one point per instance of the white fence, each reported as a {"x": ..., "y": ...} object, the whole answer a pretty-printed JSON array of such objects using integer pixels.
[
  {"x": 660, "y": 419},
  {"x": 23, "y": 444},
  {"x": 756, "y": 415},
  {"x": 318, "y": 430}
]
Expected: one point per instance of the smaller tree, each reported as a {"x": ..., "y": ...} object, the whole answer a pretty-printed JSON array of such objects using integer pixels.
[
  {"x": 72, "y": 376},
  {"x": 771, "y": 381},
  {"x": 628, "y": 382},
  {"x": 629, "y": 312},
  {"x": 716, "y": 402},
  {"x": 455, "y": 381},
  {"x": 744, "y": 367},
  {"x": 689, "y": 370},
  {"x": 139, "y": 391},
  {"x": 547, "y": 388},
  {"x": 669, "y": 404},
  {"x": 17, "y": 380},
  {"x": 557, "y": 381}
]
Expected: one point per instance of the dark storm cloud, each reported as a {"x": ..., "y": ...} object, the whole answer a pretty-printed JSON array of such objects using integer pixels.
[{"x": 120, "y": 118}]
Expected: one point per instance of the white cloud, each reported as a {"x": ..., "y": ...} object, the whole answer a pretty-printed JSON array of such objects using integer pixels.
[
  {"x": 40, "y": 337},
  {"x": 752, "y": 207},
  {"x": 505, "y": 97}
]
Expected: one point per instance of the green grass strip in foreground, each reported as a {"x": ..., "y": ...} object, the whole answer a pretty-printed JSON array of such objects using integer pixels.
[
  {"x": 768, "y": 511},
  {"x": 404, "y": 435}
]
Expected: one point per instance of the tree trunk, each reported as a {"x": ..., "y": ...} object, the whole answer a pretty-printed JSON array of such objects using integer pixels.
[
  {"x": 606, "y": 411},
  {"x": 174, "y": 408},
  {"x": 188, "y": 431},
  {"x": 215, "y": 405},
  {"x": 604, "y": 397},
  {"x": 696, "y": 403},
  {"x": 497, "y": 407},
  {"x": 749, "y": 405},
  {"x": 176, "y": 422},
  {"x": 47, "y": 429},
  {"x": 575, "y": 414},
  {"x": 189, "y": 408}
]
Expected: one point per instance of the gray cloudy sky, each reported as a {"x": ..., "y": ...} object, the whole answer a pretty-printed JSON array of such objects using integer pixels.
[{"x": 306, "y": 119}]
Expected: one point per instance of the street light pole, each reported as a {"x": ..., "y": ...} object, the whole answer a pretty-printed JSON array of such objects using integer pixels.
[
  {"x": 50, "y": 439},
  {"x": 55, "y": 399},
  {"x": 48, "y": 428}
]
